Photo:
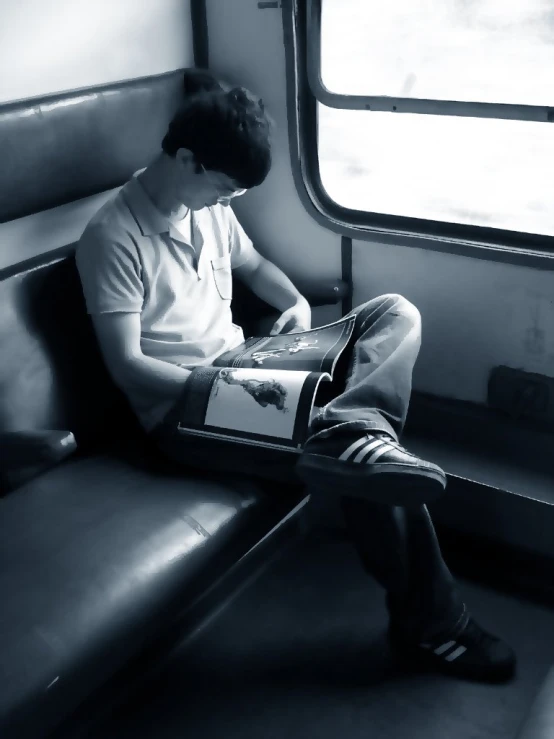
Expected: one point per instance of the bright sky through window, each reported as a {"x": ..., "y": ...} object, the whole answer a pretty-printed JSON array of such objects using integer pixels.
[{"x": 482, "y": 172}]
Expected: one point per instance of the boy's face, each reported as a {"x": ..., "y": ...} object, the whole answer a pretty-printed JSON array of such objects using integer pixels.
[
  {"x": 199, "y": 187},
  {"x": 223, "y": 188}
]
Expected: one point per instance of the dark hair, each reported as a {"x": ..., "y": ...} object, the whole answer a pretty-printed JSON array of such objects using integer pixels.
[
  {"x": 226, "y": 128},
  {"x": 197, "y": 80}
]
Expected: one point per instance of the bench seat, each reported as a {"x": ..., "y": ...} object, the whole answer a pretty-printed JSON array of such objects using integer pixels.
[
  {"x": 102, "y": 552},
  {"x": 98, "y": 556}
]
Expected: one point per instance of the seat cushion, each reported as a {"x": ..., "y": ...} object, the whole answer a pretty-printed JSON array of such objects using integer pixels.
[{"x": 96, "y": 556}]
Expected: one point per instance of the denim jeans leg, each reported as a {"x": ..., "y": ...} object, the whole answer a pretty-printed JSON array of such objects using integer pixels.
[
  {"x": 398, "y": 546},
  {"x": 387, "y": 338}
]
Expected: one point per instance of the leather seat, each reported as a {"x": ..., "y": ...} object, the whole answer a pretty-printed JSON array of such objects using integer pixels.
[
  {"x": 101, "y": 552},
  {"x": 98, "y": 555}
]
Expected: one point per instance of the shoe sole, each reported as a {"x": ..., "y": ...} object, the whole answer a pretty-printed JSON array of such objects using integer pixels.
[
  {"x": 494, "y": 674},
  {"x": 393, "y": 485}
]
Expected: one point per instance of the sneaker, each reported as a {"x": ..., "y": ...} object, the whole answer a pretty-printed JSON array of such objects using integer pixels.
[
  {"x": 371, "y": 466},
  {"x": 473, "y": 654}
]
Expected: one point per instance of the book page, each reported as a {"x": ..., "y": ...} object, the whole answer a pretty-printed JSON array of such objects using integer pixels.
[
  {"x": 259, "y": 403},
  {"x": 262, "y": 406}
]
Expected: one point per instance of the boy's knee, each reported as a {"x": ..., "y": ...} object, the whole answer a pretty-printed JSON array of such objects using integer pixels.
[
  {"x": 393, "y": 302},
  {"x": 405, "y": 306}
]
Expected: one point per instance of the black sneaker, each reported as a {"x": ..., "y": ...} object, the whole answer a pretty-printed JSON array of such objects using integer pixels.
[
  {"x": 371, "y": 466},
  {"x": 473, "y": 654}
]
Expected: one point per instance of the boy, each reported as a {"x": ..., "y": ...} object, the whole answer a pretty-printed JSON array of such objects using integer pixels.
[{"x": 156, "y": 267}]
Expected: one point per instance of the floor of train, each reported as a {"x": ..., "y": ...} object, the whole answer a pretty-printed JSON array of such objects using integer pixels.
[{"x": 301, "y": 653}]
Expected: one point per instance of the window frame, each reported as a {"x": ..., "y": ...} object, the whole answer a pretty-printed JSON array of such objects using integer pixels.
[
  {"x": 386, "y": 103},
  {"x": 481, "y": 242}
]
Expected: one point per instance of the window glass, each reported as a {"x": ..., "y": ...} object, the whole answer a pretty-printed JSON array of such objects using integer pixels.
[
  {"x": 474, "y": 171},
  {"x": 493, "y": 51}
]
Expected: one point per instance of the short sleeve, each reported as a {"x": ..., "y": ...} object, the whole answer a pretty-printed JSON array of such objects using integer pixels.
[
  {"x": 110, "y": 271},
  {"x": 240, "y": 245}
]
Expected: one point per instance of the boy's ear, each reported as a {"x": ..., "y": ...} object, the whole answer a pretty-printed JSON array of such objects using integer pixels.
[{"x": 186, "y": 159}]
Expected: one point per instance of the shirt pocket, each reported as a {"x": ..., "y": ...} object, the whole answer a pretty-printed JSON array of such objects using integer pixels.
[{"x": 223, "y": 278}]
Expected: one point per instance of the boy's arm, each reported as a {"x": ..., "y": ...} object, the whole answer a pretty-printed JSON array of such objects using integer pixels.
[
  {"x": 269, "y": 282},
  {"x": 263, "y": 277},
  {"x": 109, "y": 269},
  {"x": 118, "y": 335}
]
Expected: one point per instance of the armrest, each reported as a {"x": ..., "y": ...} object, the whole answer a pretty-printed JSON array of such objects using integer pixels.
[
  {"x": 323, "y": 292},
  {"x": 26, "y": 454}
]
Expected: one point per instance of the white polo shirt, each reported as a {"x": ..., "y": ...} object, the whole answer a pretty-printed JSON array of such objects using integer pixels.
[{"x": 132, "y": 259}]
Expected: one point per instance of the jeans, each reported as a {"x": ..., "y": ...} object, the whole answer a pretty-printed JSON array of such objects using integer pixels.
[
  {"x": 387, "y": 333},
  {"x": 397, "y": 545}
]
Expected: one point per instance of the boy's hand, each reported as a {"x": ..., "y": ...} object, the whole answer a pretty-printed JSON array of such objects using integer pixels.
[{"x": 296, "y": 318}]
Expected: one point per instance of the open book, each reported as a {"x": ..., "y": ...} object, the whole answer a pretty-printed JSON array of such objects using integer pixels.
[{"x": 263, "y": 392}]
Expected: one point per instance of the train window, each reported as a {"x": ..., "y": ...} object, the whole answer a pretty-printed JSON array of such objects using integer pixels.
[{"x": 475, "y": 148}]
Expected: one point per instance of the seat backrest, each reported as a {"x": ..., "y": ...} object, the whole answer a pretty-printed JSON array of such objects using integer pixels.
[
  {"x": 52, "y": 375},
  {"x": 56, "y": 149},
  {"x": 65, "y": 146}
]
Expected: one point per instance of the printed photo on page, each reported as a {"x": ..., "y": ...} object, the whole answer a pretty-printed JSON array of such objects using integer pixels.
[{"x": 264, "y": 405}]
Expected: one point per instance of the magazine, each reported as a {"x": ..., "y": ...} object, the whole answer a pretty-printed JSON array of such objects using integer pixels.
[
  {"x": 263, "y": 392},
  {"x": 316, "y": 350}
]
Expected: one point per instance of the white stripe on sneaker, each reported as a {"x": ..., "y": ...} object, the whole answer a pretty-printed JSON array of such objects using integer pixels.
[
  {"x": 367, "y": 449},
  {"x": 378, "y": 452},
  {"x": 456, "y": 653},
  {"x": 352, "y": 448},
  {"x": 377, "y": 446},
  {"x": 444, "y": 648}
]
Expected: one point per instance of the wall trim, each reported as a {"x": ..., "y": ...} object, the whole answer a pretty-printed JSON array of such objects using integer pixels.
[{"x": 346, "y": 262}]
